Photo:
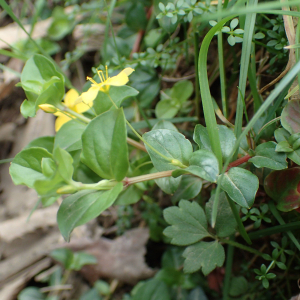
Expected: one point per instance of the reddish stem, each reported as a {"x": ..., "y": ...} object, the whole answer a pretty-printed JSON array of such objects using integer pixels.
[
  {"x": 137, "y": 43},
  {"x": 238, "y": 162}
]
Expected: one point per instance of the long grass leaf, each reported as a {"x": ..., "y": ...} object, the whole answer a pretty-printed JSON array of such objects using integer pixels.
[
  {"x": 263, "y": 8},
  {"x": 274, "y": 230},
  {"x": 274, "y": 94},
  {"x": 245, "y": 58},
  {"x": 278, "y": 217},
  {"x": 207, "y": 103}
]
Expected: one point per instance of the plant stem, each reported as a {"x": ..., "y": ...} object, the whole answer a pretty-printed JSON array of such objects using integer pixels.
[
  {"x": 136, "y": 144},
  {"x": 238, "y": 162},
  {"x": 132, "y": 180},
  {"x": 241, "y": 246}
]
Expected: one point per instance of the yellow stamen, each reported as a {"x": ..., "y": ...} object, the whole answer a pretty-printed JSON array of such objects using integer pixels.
[{"x": 92, "y": 80}]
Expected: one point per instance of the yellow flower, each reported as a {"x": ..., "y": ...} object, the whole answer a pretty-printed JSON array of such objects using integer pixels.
[
  {"x": 105, "y": 83},
  {"x": 70, "y": 102}
]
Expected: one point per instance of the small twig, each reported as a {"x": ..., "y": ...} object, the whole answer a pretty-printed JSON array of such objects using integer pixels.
[
  {"x": 136, "y": 144},
  {"x": 56, "y": 288},
  {"x": 238, "y": 162}
]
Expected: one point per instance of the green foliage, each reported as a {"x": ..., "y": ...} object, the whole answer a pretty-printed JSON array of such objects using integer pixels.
[
  {"x": 89, "y": 159},
  {"x": 31, "y": 293},
  {"x": 72, "y": 260},
  {"x": 234, "y": 184},
  {"x": 42, "y": 84},
  {"x": 227, "y": 139},
  {"x": 283, "y": 187},
  {"x": 266, "y": 156},
  {"x": 101, "y": 152},
  {"x": 174, "y": 99},
  {"x": 84, "y": 206},
  {"x": 188, "y": 222},
  {"x": 171, "y": 144}
]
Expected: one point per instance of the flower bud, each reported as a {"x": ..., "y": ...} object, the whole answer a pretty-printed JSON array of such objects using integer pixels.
[
  {"x": 48, "y": 108},
  {"x": 66, "y": 189}
]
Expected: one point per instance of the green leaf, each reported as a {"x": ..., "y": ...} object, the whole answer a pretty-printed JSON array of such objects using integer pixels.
[
  {"x": 188, "y": 223},
  {"x": 69, "y": 136},
  {"x": 172, "y": 258},
  {"x": 61, "y": 25},
  {"x": 169, "y": 276},
  {"x": 47, "y": 187},
  {"x": 152, "y": 289},
  {"x": 84, "y": 206},
  {"x": 26, "y": 167},
  {"x": 290, "y": 116},
  {"x": 104, "y": 146},
  {"x": 203, "y": 255},
  {"x": 189, "y": 188},
  {"x": 129, "y": 196},
  {"x": 167, "y": 109},
  {"x": 118, "y": 94},
  {"x": 102, "y": 287},
  {"x": 283, "y": 187},
  {"x": 197, "y": 294},
  {"x": 31, "y": 293},
  {"x": 238, "y": 286},
  {"x": 72, "y": 261},
  {"x": 65, "y": 163},
  {"x": 282, "y": 135},
  {"x": 163, "y": 124},
  {"x": 203, "y": 164},
  {"x": 91, "y": 294},
  {"x": 266, "y": 156},
  {"x": 171, "y": 144},
  {"x": 225, "y": 223},
  {"x": 135, "y": 16},
  {"x": 284, "y": 146},
  {"x": 241, "y": 186},
  {"x": 45, "y": 142},
  {"x": 227, "y": 139},
  {"x": 146, "y": 81},
  {"x": 47, "y": 87},
  {"x": 182, "y": 91},
  {"x": 168, "y": 184}
]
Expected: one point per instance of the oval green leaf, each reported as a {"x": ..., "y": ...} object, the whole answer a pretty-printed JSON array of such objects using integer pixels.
[
  {"x": 284, "y": 188},
  {"x": 104, "y": 146},
  {"x": 241, "y": 186},
  {"x": 290, "y": 116},
  {"x": 26, "y": 167},
  {"x": 84, "y": 206},
  {"x": 227, "y": 139},
  {"x": 266, "y": 156},
  {"x": 171, "y": 144}
]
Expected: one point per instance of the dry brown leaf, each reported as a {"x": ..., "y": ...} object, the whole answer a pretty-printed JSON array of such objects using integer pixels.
[
  {"x": 122, "y": 258},
  {"x": 11, "y": 289},
  {"x": 35, "y": 251},
  {"x": 19, "y": 227},
  {"x": 12, "y": 33}
]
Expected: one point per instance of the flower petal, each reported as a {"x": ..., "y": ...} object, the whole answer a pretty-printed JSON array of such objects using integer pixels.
[
  {"x": 119, "y": 80},
  {"x": 61, "y": 120},
  {"x": 82, "y": 106},
  {"x": 90, "y": 95},
  {"x": 128, "y": 71},
  {"x": 71, "y": 97}
]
